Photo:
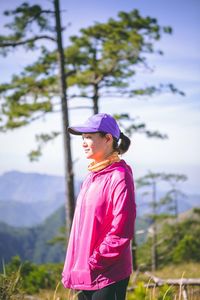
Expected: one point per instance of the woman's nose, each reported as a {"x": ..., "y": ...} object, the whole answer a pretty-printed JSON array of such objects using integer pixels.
[{"x": 84, "y": 144}]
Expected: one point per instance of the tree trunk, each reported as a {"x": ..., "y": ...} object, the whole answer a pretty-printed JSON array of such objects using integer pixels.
[
  {"x": 96, "y": 99},
  {"x": 134, "y": 253},
  {"x": 154, "y": 237},
  {"x": 176, "y": 206},
  {"x": 176, "y": 216},
  {"x": 69, "y": 176}
]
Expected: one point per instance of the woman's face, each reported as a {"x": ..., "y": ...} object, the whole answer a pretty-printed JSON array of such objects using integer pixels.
[{"x": 97, "y": 147}]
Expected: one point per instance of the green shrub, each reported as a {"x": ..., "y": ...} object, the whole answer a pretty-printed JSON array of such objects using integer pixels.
[
  {"x": 38, "y": 278},
  {"x": 187, "y": 249},
  {"x": 10, "y": 286},
  {"x": 166, "y": 292},
  {"x": 139, "y": 293},
  {"x": 35, "y": 277}
]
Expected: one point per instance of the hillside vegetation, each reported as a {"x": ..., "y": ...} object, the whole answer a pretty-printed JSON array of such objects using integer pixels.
[
  {"x": 177, "y": 242},
  {"x": 33, "y": 243}
]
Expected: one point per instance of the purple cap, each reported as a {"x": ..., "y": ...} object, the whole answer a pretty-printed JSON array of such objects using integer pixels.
[{"x": 99, "y": 122}]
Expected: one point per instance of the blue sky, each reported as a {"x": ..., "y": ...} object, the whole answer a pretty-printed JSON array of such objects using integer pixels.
[{"x": 177, "y": 116}]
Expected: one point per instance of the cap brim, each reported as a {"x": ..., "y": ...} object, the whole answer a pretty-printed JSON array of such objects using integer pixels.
[{"x": 81, "y": 130}]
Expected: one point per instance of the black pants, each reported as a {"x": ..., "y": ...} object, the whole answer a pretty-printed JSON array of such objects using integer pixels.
[{"x": 115, "y": 291}]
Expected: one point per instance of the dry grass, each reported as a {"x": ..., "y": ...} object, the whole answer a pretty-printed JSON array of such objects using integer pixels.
[
  {"x": 187, "y": 270},
  {"x": 60, "y": 293},
  {"x": 190, "y": 270}
]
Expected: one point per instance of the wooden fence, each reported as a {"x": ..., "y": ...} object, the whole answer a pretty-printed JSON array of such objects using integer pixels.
[{"x": 182, "y": 283}]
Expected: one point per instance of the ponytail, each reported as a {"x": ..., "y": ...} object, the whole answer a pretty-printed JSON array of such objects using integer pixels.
[
  {"x": 121, "y": 147},
  {"x": 124, "y": 143}
]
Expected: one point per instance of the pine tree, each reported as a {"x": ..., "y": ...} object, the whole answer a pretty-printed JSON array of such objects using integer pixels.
[
  {"x": 31, "y": 24},
  {"x": 163, "y": 208}
]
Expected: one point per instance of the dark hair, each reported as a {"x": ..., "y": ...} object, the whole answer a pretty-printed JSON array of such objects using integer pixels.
[{"x": 121, "y": 147}]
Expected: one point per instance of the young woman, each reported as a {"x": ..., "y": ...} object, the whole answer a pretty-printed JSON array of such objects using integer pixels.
[{"x": 98, "y": 260}]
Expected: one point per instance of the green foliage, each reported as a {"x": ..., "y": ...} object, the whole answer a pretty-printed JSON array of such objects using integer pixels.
[
  {"x": 38, "y": 278},
  {"x": 24, "y": 19},
  {"x": 187, "y": 249},
  {"x": 33, "y": 277},
  {"x": 33, "y": 243},
  {"x": 42, "y": 139},
  {"x": 10, "y": 285},
  {"x": 166, "y": 292},
  {"x": 24, "y": 16},
  {"x": 139, "y": 292},
  {"x": 131, "y": 126},
  {"x": 105, "y": 55},
  {"x": 61, "y": 238},
  {"x": 177, "y": 242},
  {"x": 164, "y": 207}
]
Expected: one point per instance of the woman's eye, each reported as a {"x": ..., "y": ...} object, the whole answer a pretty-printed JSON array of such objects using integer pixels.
[{"x": 87, "y": 137}]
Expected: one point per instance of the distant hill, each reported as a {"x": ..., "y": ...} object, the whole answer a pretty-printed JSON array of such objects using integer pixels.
[
  {"x": 32, "y": 243},
  {"x": 30, "y": 187},
  {"x": 27, "y": 214},
  {"x": 27, "y": 199}
]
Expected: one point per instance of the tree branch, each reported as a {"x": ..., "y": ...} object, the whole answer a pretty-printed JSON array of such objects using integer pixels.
[
  {"x": 81, "y": 107},
  {"x": 40, "y": 13},
  {"x": 79, "y": 96},
  {"x": 14, "y": 44}
]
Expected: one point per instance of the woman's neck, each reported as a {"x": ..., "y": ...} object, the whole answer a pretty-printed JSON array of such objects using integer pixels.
[
  {"x": 103, "y": 158},
  {"x": 114, "y": 157}
]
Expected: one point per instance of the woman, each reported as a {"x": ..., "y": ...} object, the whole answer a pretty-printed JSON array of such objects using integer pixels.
[{"x": 98, "y": 261}]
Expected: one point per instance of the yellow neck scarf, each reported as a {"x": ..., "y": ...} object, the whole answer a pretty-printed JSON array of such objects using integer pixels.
[{"x": 114, "y": 157}]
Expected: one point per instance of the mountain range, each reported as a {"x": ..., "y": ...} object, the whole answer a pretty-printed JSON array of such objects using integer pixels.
[
  {"x": 33, "y": 243},
  {"x": 27, "y": 199},
  {"x": 32, "y": 213}
]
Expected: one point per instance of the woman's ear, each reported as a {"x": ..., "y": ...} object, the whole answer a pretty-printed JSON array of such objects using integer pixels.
[{"x": 109, "y": 138}]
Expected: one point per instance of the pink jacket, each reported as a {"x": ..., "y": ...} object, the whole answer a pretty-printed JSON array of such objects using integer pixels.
[{"x": 99, "y": 251}]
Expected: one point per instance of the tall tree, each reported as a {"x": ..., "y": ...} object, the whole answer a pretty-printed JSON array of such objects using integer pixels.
[
  {"x": 150, "y": 180},
  {"x": 101, "y": 62},
  {"x": 174, "y": 193},
  {"x": 175, "y": 250},
  {"x": 70, "y": 204},
  {"x": 164, "y": 207},
  {"x": 18, "y": 106},
  {"x": 110, "y": 54}
]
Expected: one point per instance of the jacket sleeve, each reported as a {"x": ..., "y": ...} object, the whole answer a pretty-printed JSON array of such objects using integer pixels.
[{"x": 121, "y": 230}]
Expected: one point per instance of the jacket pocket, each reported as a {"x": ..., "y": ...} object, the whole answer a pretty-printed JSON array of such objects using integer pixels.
[{"x": 83, "y": 277}]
